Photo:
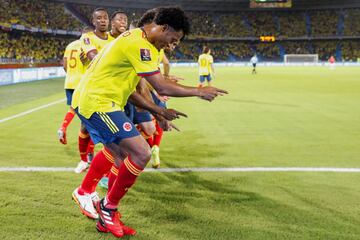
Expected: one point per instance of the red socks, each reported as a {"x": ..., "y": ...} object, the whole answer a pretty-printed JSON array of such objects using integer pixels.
[
  {"x": 91, "y": 146},
  {"x": 84, "y": 140},
  {"x": 150, "y": 141},
  {"x": 158, "y": 135},
  {"x": 114, "y": 172},
  {"x": 68, "y": 118},
  {"x": 156, "y": 138},
  {"x": 128, "y": 172},
  {"x": 100, "y": 166}
]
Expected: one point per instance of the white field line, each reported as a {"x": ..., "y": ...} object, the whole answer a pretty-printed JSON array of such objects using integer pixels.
[
  {"x": 205, "y": 169},
  {"x": 31, "y": 110}
]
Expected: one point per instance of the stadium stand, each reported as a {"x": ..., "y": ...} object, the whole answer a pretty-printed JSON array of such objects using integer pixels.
[
  {"x": 23, "y": 47},
  {"x": 233, "y": 36},
  {"x": 37, "y": 13}
]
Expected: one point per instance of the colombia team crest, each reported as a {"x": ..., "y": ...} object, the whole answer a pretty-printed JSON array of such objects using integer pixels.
[
  {"x": 145, "y": 54},
  {"x": 127, "y": 126}
]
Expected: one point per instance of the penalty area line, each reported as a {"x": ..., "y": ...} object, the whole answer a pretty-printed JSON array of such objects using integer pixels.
[
  {"x": 31, "y": 110},
  {"x": 203, "y": 169}
]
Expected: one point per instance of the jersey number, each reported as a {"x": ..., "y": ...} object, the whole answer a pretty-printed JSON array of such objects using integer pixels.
[{"x": 72, "y": 62}]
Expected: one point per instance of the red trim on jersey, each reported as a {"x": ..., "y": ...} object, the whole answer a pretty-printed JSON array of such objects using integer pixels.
[{"x": 146, "y": 74}]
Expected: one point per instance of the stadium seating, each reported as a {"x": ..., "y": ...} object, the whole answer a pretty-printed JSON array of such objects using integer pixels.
[
  {"x": 231, "y": 36},
  {"x": 37, "y": 13},
  {"x": 23, "y": 47}
]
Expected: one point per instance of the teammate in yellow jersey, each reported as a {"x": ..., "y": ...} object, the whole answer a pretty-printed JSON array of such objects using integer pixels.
[
  {"x": 206, "y": 67},
  {"x": 74, "y": 70},
  {"x": 92, "y": 42},
  {"x": 105, "y": 88}
]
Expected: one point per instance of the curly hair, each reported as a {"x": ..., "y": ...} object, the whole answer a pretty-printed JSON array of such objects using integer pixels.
[
  {"x": 174, "y": 17},
  {"x": 148, "y": 17}
]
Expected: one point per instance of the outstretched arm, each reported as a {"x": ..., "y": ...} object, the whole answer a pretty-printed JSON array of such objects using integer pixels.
[
  {"x": 139, "y": 101},
  {"x": 169, "y": 88}
]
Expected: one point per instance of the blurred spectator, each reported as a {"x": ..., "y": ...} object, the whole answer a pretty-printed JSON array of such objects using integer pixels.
[
  {"x": 350, "y": 50},
  {"x": 37, "y": 13},
  {"x": 352, "y": 22},
  {"x": 323, "y": 22},
  {"x": 292, "y": 24},
  {"x": 27, "y": 47}
]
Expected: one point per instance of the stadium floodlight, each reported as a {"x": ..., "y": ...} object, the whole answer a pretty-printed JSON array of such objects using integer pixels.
[{"x": 301, "y": 58}]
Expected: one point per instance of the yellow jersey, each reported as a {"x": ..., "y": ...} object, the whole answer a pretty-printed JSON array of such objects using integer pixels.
[
  {"x": 114, "y": 73},
  {"x": 161, "y": 55},
  {"x": 205, "y": 61},
  {"x": 74, "y": 67},
  {"x": 90, "y": 42}
]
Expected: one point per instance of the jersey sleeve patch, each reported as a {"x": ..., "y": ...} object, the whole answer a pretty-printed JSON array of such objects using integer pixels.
[
  {"x": 87, "y": 41},
  {"x": 145, "y": 54}
]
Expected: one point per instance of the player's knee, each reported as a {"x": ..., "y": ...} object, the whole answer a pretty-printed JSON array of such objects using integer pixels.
[
  {"x": 143, "y": 155},
  {"x": 83, "y": 129},
  {"x": 148, "y": 129}
]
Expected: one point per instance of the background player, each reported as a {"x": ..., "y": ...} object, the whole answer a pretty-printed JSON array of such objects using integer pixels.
[
  {"x": 254, "y": 61},
  {"x": 92, "y": 43},
  {"x": 332, "y": 62},
  {"x": 74, "y": 69},
  {"x": 206, "y": 68}
]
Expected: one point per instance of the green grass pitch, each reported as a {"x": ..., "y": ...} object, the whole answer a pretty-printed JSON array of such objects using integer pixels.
[{"x": 281, "y": 117}]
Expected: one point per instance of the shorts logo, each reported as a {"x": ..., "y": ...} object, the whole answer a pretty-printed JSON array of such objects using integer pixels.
[
  {"x": 145, "y": 54},
  {"x": 127, "y": 127},
  {"x": 87, "y": 41}
]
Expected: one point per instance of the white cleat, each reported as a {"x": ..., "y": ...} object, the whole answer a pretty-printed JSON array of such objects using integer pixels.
[
  {"x": 85, "y": 204},
  {"x": 95, "y": 198},
  {"x": 81, "y": 167}
]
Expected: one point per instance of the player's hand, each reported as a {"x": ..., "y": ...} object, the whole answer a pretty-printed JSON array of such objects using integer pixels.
[
  {"x": 173, "y": 78},
  {"x": 171, "y": 114},
  {"x": 168, "y": 126},
  {"x": 163, "y": 98},
  {"x": 173, "y": 126},
  {"x": 210, "y": 93},
  {"x": 83, "y": 57}
]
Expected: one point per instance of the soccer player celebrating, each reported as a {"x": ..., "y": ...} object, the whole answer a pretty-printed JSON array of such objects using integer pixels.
[
  {"x": 105, "y": 89},
  {"x": 254, "y": 61},
  {"x": 74, "y": 70},
  {"x": 206, "y": 67}
]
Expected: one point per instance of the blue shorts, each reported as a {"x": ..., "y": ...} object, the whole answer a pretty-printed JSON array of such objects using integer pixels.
[
  {"x": 136, "y": 116},
  {"x": 157, "y": 101},
  {"x": 111, "y": 127},
  {"x": 69, "y": 93},
  {"x": 254, "y": 65},
  {"x": 203, "y": 77}
]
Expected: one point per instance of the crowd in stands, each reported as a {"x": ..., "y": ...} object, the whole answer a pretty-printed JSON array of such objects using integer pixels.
[
  {"x": 37, "y": 13},
  {"x": 351, "y": 22},
  {"x": 324, "y": 22},
  {"x": 221, "y": 51},
  {"x": 292, "y": 24},
  {"x": 23, "y": 47},
  {"x": 231, "y": 36},
  {"x": 297, "y": 47},
  {"x": 325, "y": 49},
  {"x": 350, "y": 50}
]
